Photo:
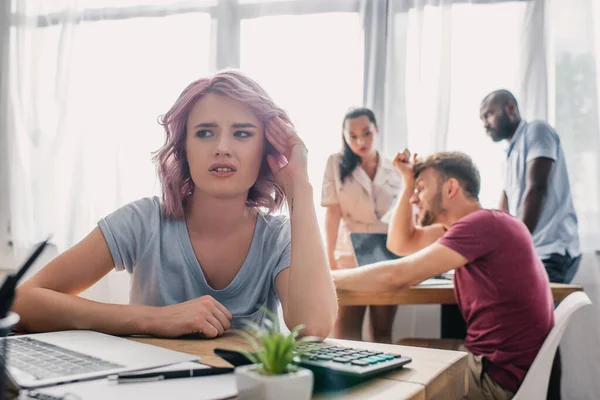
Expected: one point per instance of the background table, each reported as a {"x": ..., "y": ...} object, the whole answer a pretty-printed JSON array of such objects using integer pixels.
[{"x": 439, "y": 294}]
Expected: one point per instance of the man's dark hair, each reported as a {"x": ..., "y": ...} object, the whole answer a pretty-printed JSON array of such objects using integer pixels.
[
  {"x": 501, "y": 96},
  {"x": 453, "y": 164}
]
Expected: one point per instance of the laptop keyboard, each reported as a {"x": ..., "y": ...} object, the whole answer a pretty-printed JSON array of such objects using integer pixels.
[{"x": 44, "y": 360}]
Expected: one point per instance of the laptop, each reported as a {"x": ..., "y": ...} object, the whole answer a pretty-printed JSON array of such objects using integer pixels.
[
  {"x": 371, "y": 248},
  {"x": 46, "y": 359}
]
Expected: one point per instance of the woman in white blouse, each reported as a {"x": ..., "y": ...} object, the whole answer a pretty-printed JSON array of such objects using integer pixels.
[{"x": 360, "y": 187}]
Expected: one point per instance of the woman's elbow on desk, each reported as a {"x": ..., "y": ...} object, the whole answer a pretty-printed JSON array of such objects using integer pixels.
[
  {"x": 319, "y": 323},
  {"x": 320, "y": 330}
]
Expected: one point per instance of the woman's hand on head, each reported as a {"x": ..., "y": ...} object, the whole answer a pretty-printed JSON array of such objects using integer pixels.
[
  {"x": 291, "y": 165},
  {"x": 203, "y": 315}
]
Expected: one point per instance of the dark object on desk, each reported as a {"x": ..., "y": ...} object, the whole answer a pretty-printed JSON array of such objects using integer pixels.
[
  {"x": 191, "y": 336},
  {"x": 233, "y": 357},
  {"x": 370, "y": 248},
  {"x": 134, "y": 377},
  {"x": 334, "y": 367},
  {"x": 9, "y": 320},
  {"x": 7, "y": 291}
]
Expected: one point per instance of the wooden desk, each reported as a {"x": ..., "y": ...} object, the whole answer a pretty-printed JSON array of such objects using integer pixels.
[
  {"x": 433, "y": 374},
  {"x": 440, "y": 294}
]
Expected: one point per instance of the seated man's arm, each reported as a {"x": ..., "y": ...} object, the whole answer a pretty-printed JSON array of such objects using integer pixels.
[
  {"x": 404, "y": 237},
  {"x": 397, "y": 274}
]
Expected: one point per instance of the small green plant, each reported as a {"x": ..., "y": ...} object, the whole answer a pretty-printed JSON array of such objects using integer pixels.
[{"x": 274, "y": 351}]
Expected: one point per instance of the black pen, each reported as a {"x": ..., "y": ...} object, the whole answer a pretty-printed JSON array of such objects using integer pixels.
[{"x": 134, "y": 377}]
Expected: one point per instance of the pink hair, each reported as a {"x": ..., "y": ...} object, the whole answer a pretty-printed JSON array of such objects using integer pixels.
[{"x": 171, "y": 161}]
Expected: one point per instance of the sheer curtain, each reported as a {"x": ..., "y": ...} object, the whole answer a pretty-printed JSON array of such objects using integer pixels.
[
  {"x": 574, "y": 58},
  {"x": 90, "y": 77},
  {"x": 315, "y": 74},
  {"x": 86, "y": 87},
  {"x": 85, "y": 96},
  {"x": 5, "y": 249},
  {"x": 441, "y": 58}
]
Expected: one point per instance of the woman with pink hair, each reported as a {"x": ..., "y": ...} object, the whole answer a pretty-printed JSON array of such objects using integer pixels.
[{"x": 209, "y": 253}]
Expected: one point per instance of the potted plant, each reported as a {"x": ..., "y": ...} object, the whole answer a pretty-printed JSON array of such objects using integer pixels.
[{"x": 273, "y": 376}]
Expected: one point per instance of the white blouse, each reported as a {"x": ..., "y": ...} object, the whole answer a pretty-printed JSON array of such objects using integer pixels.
[{"x": 365, "y": 204}]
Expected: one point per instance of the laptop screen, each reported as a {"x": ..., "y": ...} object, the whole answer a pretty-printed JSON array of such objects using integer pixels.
[{"x": 370, "y": 248}]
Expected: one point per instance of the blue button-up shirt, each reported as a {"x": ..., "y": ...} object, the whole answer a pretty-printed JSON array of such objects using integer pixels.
[{"x": 556, "y": 230}]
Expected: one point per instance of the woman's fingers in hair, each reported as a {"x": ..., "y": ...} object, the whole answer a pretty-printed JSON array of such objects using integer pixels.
[
  {"x": 285, "y": 128},
  {"x": 275, "y": 140},
  {"x": 285, "y": 131},
  {"x": 275, "y": 163}
]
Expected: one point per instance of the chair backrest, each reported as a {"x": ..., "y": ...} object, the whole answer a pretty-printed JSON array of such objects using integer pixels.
[{"x": 535, "y": 384}]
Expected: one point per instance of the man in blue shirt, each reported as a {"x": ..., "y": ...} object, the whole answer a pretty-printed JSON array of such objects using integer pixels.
[{"x": 536, "y": 183}]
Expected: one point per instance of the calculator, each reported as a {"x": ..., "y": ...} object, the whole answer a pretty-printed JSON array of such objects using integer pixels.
[
  {"x": 334, "y": 367},
  {"x": 343, "y": 360}
]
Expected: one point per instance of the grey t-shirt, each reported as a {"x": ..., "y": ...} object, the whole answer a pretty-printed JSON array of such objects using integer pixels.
[{"x": 158, "y": 254}]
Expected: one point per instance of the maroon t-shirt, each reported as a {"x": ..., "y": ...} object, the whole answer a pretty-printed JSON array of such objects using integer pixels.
[{"x": 503, "y": 293}]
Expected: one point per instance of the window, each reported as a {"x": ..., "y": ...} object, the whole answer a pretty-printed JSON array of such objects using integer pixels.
[
  {"x": 125, "y": 74},
  {"x": 94, "y": 91},
  {"x": 486, "y": 42},
  {"x": 315, "y": 74},
  {"x": 483, "y": 43},
  {"x": 576, "y": 109}
]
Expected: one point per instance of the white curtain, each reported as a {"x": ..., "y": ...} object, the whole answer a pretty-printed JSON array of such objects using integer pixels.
[
  {"x": 574, "y": 79},
  {"x": 437, "y": 63},
  {"x": 89, "y": 78},
  {"x": 39, "y": 65},
  {"x": 440, "y": 58},
  {"x": 5, "y": 249},
  {"x": 85, "y": 89},
  {"x": 80, "y": 111}
]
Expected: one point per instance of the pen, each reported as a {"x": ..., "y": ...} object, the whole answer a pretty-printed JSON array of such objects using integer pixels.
[{"x": 134, "y": 377}]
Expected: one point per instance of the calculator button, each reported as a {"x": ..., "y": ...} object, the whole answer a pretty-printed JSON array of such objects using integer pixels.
[
  {"x": 341, "y": 359},
  {"x": 370, "y": 360},
  {"x": 360, "y": 363}
]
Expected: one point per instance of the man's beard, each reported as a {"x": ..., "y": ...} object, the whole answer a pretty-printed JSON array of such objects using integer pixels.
[
  {"x": 430, "y": 216},
  {"x": 504, "y": 129}
]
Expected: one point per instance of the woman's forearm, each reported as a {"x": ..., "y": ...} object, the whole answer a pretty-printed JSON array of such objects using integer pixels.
[
  {"x": 332, "y": 225},
  {"x": 312, "y": 300},
  {"x": 44, "y": 310}
]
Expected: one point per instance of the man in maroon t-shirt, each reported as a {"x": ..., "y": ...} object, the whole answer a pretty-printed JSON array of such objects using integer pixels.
[{"x": 501, "y": 286}]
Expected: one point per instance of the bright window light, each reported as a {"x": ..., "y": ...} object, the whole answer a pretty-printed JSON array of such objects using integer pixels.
[
  {"x": 484, "y": 56},
  {"x": 312, "y": 66}
]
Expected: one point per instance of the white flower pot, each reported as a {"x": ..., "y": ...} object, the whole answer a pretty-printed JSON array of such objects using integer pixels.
[{"x": 293, "y": 386}]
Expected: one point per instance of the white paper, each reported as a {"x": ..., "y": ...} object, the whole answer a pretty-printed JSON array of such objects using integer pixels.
[
  {"x": 435, "y": 282},
  {"x": 211, "y": 387}
]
